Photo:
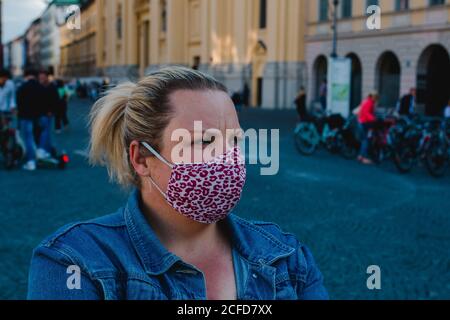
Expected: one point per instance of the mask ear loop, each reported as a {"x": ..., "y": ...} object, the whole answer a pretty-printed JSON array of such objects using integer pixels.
[
  {"x": 157, "y": 155},
  {"x": 161, "y": 158}
]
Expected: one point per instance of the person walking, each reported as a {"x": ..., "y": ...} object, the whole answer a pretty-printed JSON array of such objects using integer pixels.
[
  {"x": 61, "y": 118},
  {"x": 366, "y": 119},
  {"x": 300, "y": 102},
  {"x": 49, "y": 100},
  {"x": 28, "y": 104}
]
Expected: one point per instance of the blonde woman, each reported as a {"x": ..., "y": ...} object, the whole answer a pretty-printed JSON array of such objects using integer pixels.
[{"x": 176, "y": 237}]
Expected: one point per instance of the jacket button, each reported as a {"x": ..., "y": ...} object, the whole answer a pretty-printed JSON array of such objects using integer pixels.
[{"x": 255, "y": 275}]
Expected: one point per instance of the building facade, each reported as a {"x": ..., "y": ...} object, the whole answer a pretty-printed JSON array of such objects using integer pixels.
[
  {"x": 410, "y": 50},
  {"x": 50, "y": 39},
  {"x": 33, "y": 44},
  {"x": 254, "y": 42},
  {"x": 272, "y": 46},
  {"x": 16, "y": 56},
  {"x": 78, "y": 46}
]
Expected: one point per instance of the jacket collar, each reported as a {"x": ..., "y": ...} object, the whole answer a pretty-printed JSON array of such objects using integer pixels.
[{"x": 253, "y": 243}]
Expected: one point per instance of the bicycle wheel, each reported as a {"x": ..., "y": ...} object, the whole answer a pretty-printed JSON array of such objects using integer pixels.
[
  {"x": 404, "y": 159},
  {"x": 306, "y": 139},
  {"x": 436, "y": 160}
]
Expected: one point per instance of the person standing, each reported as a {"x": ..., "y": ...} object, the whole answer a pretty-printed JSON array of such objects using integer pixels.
[
  {"x": 407, "y": 104},
  {"x": 366, "y": 119},
  {"x": 49, "y": 100},
  {"x": 28, "y": 104},
  {"x": 323, "y": 94},
  {"x": 61, "y": 110},
  {"x": 7, "y": 94},
  {"x": 300, "y": 102}
]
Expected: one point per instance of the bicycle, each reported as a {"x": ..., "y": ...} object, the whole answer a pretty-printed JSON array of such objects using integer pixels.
[
  {"x": 423, "y": 141},
  {"x": 381, "y": 137},
  {"x": 318, "y": 129}
]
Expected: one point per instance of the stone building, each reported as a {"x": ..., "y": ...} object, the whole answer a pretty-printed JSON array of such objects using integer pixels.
[
  {"x": 50, "y": 38},
  {"x": 78, "y": 46},
  {"x": 272, "y": 46},
  {"x": 411, "y": 49},
  {"x": 33, "y": 40},
  {"x": 254, "y": 42}
]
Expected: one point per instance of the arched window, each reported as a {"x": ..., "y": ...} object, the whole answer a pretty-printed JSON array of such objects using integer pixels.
[
  {"x": 433, "y": 79},
  {"x": 388, "y": 73},
  {"x": 356, "y": 81},
  {"x": 320, "y": 77}
]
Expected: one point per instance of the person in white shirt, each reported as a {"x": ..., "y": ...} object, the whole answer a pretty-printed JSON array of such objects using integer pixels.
[
  {"x": 7, "y": 93},
  {"x": 447, "y": 111}
]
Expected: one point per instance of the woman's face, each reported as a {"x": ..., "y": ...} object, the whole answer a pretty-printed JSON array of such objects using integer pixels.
[{"x": 217, "y": 115}]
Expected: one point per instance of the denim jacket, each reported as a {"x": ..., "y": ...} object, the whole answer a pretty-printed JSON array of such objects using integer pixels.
[{"x": 119, "y": 257}]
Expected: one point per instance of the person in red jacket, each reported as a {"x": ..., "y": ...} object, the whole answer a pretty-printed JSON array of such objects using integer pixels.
[{"x": 366, "y": 119}]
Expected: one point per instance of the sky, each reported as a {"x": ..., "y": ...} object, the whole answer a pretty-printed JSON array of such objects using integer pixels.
[{"x": 17, "y": 16}]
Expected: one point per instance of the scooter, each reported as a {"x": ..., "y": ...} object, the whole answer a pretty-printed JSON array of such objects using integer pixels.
[{"x": 56, "y": 161}]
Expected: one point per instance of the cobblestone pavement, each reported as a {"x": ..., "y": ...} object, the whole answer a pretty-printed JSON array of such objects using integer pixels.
[{"x": 351, "y": 216}]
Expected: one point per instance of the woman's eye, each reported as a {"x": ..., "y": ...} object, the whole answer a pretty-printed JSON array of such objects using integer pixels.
[{"x": 208, "y": 141}]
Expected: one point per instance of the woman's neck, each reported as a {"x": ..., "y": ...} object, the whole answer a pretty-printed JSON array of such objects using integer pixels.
[{"x": 176, "y": 232}]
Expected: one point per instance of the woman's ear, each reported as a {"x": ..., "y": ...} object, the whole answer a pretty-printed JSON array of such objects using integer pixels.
[{"x": 139, "y": 159}]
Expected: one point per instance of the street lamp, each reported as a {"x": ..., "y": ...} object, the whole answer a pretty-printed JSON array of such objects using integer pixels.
[{"x": 334, "y": 27}]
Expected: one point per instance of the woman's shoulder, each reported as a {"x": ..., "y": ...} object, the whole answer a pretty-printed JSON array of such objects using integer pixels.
[
  {"x": 270, "y": 230},
  {"x": 73, "y": 231},
  {"x": 86, "y": 243}
]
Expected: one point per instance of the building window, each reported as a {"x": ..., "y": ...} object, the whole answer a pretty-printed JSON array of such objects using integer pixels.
[
  {"x": 346, "y": 9},
  {"x": 323, "y": 10},
  {"x": 163, "y": 15},
  {"x": 372, "y": 3},
  {"x": 401, "y": 5},
  {"x": 119, "y": 22},
  {"x": 262, "y": 14},
  {"x": 436, "y": 2}
]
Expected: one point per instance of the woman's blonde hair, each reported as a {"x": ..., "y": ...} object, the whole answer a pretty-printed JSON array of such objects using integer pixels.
[{"x": 138, "y": 111}]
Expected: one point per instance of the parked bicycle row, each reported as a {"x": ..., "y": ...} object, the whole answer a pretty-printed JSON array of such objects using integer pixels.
[{"x": 372, "y": 138}]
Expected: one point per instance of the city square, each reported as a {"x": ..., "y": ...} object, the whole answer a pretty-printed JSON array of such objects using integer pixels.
[
  {"x": 351, "y": 216},
  {"x": 345, "y": 111}
]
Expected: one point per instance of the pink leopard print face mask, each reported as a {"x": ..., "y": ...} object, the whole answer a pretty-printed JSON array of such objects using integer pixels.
[{"x": 205, "y": 192}]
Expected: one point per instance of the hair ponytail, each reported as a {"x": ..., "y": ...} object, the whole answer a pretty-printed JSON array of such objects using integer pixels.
[{"x": 107, "y": 125}]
